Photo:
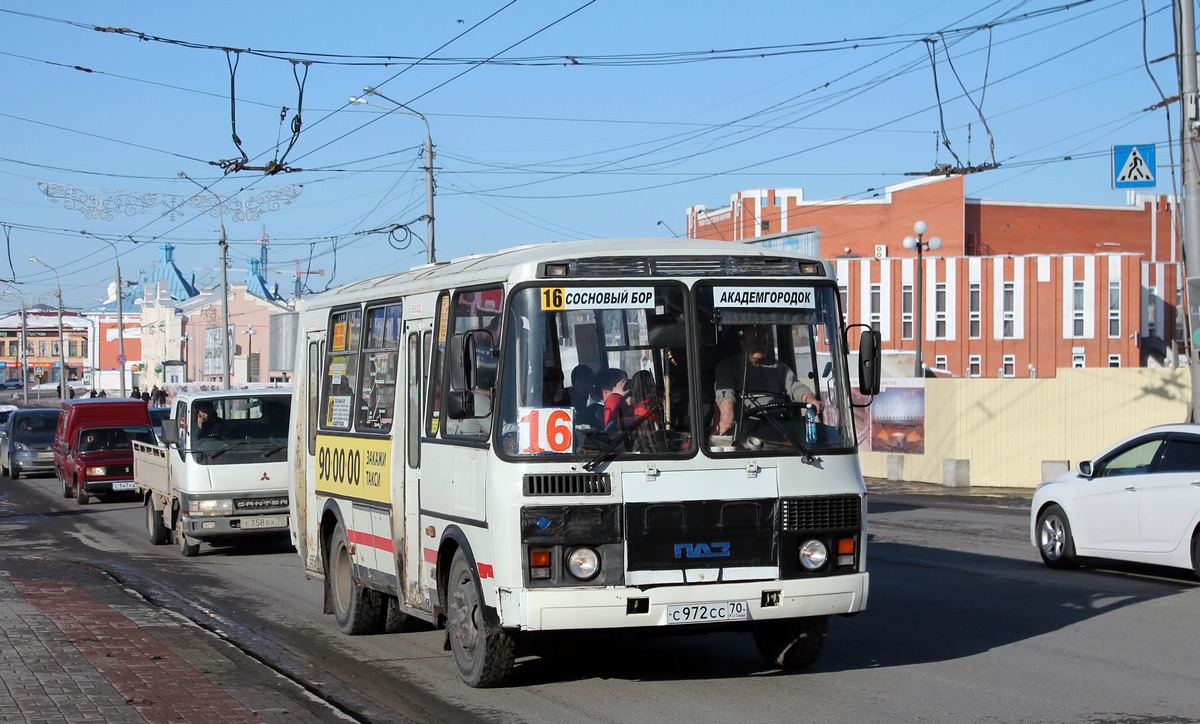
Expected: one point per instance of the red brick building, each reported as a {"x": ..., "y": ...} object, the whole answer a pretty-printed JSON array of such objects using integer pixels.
[{"x": 1016, "y": 289}]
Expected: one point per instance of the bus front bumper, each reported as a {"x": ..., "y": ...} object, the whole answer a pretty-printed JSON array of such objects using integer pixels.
[{"x": 682, "y": 605}]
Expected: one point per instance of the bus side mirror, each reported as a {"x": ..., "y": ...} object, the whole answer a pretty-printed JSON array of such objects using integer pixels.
[
  {"x": 868, "y": 362},
  {"x": 460, "y": 404}
]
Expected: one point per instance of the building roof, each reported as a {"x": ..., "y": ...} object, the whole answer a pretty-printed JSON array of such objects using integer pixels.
[{"x": 165, "y": 270}]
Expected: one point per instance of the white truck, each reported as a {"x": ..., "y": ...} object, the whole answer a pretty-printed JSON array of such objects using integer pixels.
[{"x": 223, "y": 482}]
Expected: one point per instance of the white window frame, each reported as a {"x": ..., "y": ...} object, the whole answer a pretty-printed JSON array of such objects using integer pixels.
[
  {"x": 1114, "y": 309},
  {"x": 875, "y": 313},
  {"x": 906, "y": 311},
  {"x": 1078, "y": 305},
  {"x": 1078, "y": 360},
  {"x": 940, "y": 317},
  {"x": 941, "y": 362},
  {"x": 1114, "y": 360},
  {"x": 1008, "y": 296},
  {"x": 975, "y": 311},
  {"x": 1008, "y": 365},
  {"x": 975, "y": 365}
]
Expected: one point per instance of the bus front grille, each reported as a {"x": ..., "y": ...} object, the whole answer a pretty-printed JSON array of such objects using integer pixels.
[
  {"x": 833, "y": 512},
  {"x": 568, "y": 484}
]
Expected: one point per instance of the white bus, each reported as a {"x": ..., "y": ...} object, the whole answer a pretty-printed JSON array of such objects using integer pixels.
[{"x": 456, "y": 460}]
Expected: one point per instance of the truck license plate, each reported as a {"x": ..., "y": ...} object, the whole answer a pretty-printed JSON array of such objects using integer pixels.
[
  {"x": 707, "y": 612},
  {"x": 118, "y": 487},
  {"x": 269, "y": 521}
]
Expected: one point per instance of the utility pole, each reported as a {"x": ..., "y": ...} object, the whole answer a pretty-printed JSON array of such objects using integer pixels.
[
  {"x": 1189, "y": 136},
  {"x": 225, "y": 305},
  {"x": 24, "y": 353}
]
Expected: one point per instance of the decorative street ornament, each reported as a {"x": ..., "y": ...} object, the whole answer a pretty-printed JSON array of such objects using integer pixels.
[{"x": 101, "y": 204}]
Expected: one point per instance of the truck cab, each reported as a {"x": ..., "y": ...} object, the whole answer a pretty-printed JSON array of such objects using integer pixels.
[{"x": 219, "y": 474}]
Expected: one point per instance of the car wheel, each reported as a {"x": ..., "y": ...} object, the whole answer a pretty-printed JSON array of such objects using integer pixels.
[
  {"x": 484, "y": 654},
  {"x": 357, "y": 610},
  {"x": 1196, "y": 552},
  {"x": 159, "y": 532},
  {"x": 67, "y": 491},
  {"x": 1055, "y": 543},
  {"x": 15, "y": 474},
  {"x": 81, "y": 495},
  {"x": 791, "y": 643},
  {"x": 188, "y": 548},
  {"x": 3, "y": 468}
]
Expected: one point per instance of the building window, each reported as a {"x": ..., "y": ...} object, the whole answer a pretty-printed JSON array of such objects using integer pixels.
[
  {"x": 975, "y": 366},
  {"x": 1009, "y": 318},
  {"x": 42, "y": 347},
  {"x": 1114, "y": 309},
  {"x": 1114, "y": 360},
  {"x": 72, "y": 348},
  {"x": 974, "y": 312},
  {"x": 906, "y": 312},
  {"x": 1078, "y": 361},
  {"x": 1077, "y": 297},
  {"x": 939, "y": 311},
  {"x": 876, "y": 318},
  {"x": 844, "y": 294},
  {"x": 765, "y": 225},
  {"x": 13, "y": 347},
  {"x": 1009, "y": 366},
  {"x": 941, "y": 361}
]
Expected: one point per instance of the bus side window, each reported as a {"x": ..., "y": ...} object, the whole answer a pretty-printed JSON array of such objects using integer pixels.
[
  {"x": 437, "y": 354},
  {"x": 414, "y": 400}
]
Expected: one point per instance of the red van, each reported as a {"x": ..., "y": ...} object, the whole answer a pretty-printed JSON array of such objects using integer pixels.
[{"x": 93, "y": 450}]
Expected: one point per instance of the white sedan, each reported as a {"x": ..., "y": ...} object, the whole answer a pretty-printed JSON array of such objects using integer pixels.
[{"x": 1137, "y": 501}]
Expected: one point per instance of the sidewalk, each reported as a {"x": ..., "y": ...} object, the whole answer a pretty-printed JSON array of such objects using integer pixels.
[
  {"x": 77, "y": 646},
  {"x": 966, "y": 495}
]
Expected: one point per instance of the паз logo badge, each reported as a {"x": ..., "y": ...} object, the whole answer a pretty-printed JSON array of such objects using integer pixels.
[{"x": 702, "y": 550}]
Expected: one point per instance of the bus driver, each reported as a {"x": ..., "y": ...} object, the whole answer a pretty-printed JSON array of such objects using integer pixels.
[{"x": 756, "y": 378}]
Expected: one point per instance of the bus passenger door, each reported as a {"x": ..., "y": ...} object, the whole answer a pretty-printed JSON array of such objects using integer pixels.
[
  {"x": 406, "y": 485},
  {"x": 305, "y": 403}
]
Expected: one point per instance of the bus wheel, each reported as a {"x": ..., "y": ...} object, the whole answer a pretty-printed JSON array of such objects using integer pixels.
[
  {"x": 356, "y": 609},
  {"x": 395, "y": 620},
  {"x": 159, "y": 533},
  {"x": 791, "y": 643},
  {"x": 484, "y": 655},
  {"x": 187, "y": 547}
]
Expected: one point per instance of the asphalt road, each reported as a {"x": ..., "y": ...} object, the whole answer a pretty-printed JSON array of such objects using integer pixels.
[{"x": 963, "y": 624}]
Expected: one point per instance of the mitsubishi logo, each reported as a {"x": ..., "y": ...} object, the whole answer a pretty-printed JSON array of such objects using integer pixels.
[{"x": 265, "y": 477}]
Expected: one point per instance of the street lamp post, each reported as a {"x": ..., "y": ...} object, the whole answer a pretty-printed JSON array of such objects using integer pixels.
[
  {"x": 405, "y": 110},
  {"x": 225, "y": 341},
  {"x": 63, "y": 387},
  {"x": 120, "y": 317},
  {"x": 917, "y": 242},
  {"x": 249, "y": 331}
]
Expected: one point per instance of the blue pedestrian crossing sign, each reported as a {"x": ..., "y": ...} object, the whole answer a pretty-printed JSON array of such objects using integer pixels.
[{"x": 1134, "y": 166}]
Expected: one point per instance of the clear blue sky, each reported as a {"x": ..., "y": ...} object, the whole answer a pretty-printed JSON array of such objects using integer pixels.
[{"x": 836, "y": 98}]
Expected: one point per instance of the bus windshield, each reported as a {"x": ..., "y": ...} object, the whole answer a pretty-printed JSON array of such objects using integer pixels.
[
  {"x": 595, "y": 369},
  {"x": 776, "y": 370}
]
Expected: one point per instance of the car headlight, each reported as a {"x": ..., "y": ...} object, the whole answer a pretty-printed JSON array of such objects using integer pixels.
[
  {"x": 20, "y": 446},
  {"x": 211, "y": 506},
  {"x": 813, "y": 554},
  {"x": 583, "y": 563},
  {"x": 97, "y": 471}
]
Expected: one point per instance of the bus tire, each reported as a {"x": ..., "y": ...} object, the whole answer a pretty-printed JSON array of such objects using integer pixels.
[
  {"x": 791, "y": 643},
  {"x": 395, "y": 620},
  {"x": 357, "y": 610},
  {"x": 484, "y": 655},
  {"x": 159, "y": 532}
]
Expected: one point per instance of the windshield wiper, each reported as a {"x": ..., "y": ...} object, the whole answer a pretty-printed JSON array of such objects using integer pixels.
[
  {"x": 607, "y": 451},
  {"x": 788, "y": 433}
]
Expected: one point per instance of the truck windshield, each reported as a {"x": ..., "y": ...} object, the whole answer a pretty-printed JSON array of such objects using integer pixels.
[
  {"x": 596, "y": 370},
  {"x": 236, "y": 430}
]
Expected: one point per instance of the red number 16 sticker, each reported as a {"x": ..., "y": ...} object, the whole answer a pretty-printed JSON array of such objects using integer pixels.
[{"x": 546, "y": 429}]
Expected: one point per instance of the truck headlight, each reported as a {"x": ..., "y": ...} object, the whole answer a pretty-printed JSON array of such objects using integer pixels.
[
  {"x": 96, "y": 471},
  {"x": 211, "y": 506}
]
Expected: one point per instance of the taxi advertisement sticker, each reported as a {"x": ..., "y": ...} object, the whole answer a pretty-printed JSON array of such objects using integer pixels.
[{"x": 357, "y": 468}]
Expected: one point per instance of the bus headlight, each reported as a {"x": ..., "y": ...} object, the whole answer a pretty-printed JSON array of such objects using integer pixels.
[
  {"x": 583, "y": 563},
  {"x": 813, "y": 554}
]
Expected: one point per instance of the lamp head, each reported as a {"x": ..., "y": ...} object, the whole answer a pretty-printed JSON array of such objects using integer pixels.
[
  {"x": 920, "y": 228},
  {"x": 910, "y": 242},
  {"x": 357, "y": 99},
  {"x": 935, "y": 243}
]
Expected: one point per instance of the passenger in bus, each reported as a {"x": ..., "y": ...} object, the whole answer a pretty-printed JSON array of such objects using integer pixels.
[
  {"x": 645, "y": 398},
  {"x": 754, "y": 378},
  {"x": 553, "y": 392},
  {"x": 613, "y": 384},
  {"x": 582, "y": 394}
]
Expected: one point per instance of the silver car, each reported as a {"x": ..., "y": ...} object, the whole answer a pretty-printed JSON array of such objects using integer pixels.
[{"x": 27, "y": 442}]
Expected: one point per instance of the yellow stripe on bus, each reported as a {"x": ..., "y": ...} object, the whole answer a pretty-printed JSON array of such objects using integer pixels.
[{"x": 353, "y": 467}]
